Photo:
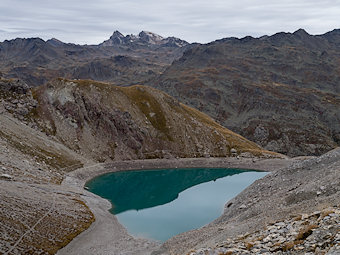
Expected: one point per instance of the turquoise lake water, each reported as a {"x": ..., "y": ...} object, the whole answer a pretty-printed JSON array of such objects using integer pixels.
[{"x": 159, "y": 204}]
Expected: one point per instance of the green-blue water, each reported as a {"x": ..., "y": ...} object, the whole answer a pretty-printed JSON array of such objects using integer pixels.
[{"x": 159, "y": 204}]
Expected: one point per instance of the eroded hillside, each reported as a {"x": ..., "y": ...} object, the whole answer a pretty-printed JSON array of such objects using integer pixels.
[
  {"x": 37, "y": 215},
  {"x": 103, "y": 122}
]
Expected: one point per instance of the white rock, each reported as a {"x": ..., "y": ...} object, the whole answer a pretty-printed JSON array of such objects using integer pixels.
[
  {"x": 243, "y": 207},
  {"x": 6, "y": 176}
]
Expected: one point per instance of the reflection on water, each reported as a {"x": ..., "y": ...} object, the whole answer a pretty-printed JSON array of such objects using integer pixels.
[{"x": 161, "y": 203}]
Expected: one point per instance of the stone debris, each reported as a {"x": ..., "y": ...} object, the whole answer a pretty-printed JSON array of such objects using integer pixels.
[
  {"x": 315, "y": 233},
  {"x": 6, "y": 177}
]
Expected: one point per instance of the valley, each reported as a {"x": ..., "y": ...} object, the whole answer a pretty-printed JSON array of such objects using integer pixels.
[{"x": 69, "y": 113}]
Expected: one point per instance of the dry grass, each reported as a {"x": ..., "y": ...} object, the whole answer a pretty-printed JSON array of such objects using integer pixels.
[
  {"x": 290, "y": 245},
  {"x": 305, "y": 232},
  {"x": 326, "y": 213},
  {"x": 226, "y": 253},
  {"x": 249, "y": 246},
  {"x": 297, "y": 218},
  {"x": 148, "y": 105},
  {"x": 50, "y": 157}
]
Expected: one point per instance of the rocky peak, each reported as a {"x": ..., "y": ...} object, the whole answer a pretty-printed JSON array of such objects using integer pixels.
[
  {"x": 301, "y": 33},
  {"x": 150, "y": 37},
  {"x": 117, "y": 34},
  {"x": 54, "y": 42},
  {"x": 174, "y": 42},
  {"x": 116, "y": 38},
  {"x": 23, "y": 42},
  {"x": 144, "y": 38},
  {"x": 333, "y": 36}
]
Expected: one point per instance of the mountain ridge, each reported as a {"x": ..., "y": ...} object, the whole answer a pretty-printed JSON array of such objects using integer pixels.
[
  {"x": 143, "y": 38},
  {"x": 37, "y": 61},
  {"x": 281, "y": 91}
]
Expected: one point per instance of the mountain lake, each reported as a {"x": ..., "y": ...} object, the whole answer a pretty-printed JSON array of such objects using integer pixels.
[{"x": 159, "y": 204}]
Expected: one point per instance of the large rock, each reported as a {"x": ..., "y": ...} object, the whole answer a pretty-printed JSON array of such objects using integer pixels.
[{"x": 14, "y": 85}]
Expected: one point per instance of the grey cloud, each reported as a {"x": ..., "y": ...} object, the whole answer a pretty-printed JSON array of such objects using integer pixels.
[{"x": 84, "y": 21}]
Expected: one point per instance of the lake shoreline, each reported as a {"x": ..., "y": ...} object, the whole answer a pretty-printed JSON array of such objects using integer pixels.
[{"x": 106, "y": 235}]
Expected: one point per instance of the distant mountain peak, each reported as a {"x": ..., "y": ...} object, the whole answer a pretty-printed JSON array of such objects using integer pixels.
[
  {"x": 150, "y": 37},
  {"x": 54, "y": 42},
  {"x": 145, "y": 38},
  {"x": 116, "y": 38},
  {"x": 301, "y": 32},
  {"x": 117, "y": 34}
]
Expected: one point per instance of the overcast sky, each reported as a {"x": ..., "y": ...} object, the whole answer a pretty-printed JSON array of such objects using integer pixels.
[{"x": 93, "y": 21}]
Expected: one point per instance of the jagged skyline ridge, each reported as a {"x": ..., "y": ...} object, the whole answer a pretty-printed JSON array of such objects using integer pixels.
[{"x": 85, "y": 22}]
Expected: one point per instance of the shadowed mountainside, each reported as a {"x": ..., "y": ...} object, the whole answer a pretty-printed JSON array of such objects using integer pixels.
[
  {"x": 280, "y": 91},
  {"x": 124, "y": 60}
]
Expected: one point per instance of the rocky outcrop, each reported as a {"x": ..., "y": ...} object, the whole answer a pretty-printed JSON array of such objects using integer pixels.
[
  {"x": 14, "y": 86},
  {"x": 315, "y": 233},
  {"x": 16, "y": 98}
]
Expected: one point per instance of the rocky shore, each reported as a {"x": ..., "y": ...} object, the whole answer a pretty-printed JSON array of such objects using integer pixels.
[
  {"x": 294, "y": 210},
  {"x": 315, "y": 233},
  {"x": 106, "y": 235}
]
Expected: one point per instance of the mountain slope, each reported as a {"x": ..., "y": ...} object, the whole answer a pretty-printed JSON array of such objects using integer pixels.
[
  {"x": 36, "y": 61},
  {"x": 281, "y": 91},
  {"x": 38, "y": 216},
  {"x": 103, "y": 121},
  {"x": 64, "y": 125}
]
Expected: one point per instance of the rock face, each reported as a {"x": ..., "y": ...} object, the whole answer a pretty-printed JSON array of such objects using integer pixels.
[
  {"x": 280, "y": 91},
  {"x": 104, "y": 122},
  {"x": 16, "y": 98},
  {"x": 14, "y": 86}
]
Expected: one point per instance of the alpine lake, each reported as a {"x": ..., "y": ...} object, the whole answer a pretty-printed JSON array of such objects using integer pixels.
[{"x": 159, "y": 204}]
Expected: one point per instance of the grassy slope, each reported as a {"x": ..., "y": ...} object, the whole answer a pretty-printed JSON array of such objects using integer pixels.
[{"x": 172, "y": 124}]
